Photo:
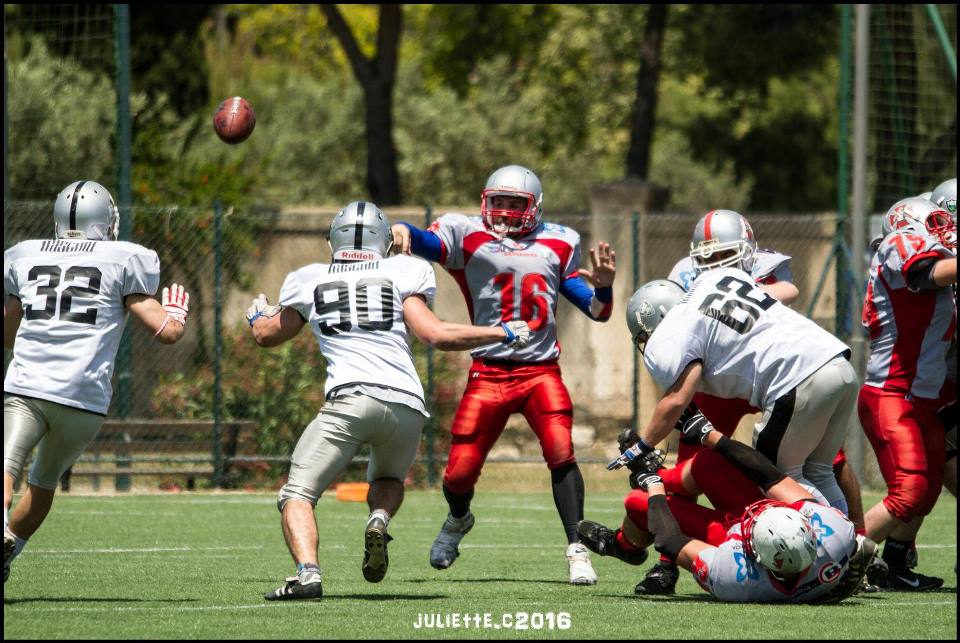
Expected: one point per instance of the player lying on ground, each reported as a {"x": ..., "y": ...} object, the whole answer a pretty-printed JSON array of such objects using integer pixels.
[
  {"x": 767, "y": 540},
  {"x": 910, "y": 312},
  {"x": 65, "y": 305},
  {"x": 359, "y": 307},
  {"x": 512, "y": 266}
]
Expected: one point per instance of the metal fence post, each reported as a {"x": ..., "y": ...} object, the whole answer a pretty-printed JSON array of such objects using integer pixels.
[
  {"x": 217, "y": 343},
  {"x": 121, "y": 14},
  {"x": 431, "y": 423},
  {"x": 635, "y": 266}
]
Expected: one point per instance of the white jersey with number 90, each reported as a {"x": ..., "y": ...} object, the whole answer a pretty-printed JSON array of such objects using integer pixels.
[{"x": 355, "y": 310}]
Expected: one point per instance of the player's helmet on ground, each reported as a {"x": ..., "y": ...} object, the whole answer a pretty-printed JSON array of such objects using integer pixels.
[
  {"x": 945, "y": 195},
  {"x": 360, "y": 232},
  {"x": 513, "y": 181},
  {"x": 723, "y": 238},
  {"x": 921, "y": 216},
  {"x": 85, "y": 210},
  {"x": 648, "y": 306},
  {"x": 778, "y": 537}
]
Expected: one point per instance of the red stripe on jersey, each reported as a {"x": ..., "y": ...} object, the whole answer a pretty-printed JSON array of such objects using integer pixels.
[
  {"x": 871, "y": 316},
  {"x": 460, "y": 276},
  {"x": 912, "y": 313},
  {"x": 706, "y": 225},
  {"x": 472, "y": 243},
  {"x": 562, "y": 249}
]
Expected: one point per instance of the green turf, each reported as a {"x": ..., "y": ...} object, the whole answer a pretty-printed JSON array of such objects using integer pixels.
[{"x": 197, "y": 566}]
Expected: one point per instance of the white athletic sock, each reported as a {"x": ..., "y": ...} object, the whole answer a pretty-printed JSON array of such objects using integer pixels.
[
  {"x": 381, "y": 514},
  {"x": 20, "y": 544}
]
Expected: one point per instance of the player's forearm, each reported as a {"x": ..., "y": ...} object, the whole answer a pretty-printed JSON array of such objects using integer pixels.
[
  {"x": 665, "y": 416},
  {"x": 596, "y": 304},
  {"x": 424, "y": 243},
  {"x": 945, "y": 272},
  {"x": 783, "y": 291},
  {"x": 457, "y": 337}
]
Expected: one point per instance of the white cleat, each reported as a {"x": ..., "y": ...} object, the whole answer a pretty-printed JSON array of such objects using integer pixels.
[
  {"x": 581, "y": 571},
  {"x": 444, "y": 549}
]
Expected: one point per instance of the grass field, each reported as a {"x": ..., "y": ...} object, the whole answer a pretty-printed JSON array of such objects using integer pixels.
[{"x": 196, "y": 566}]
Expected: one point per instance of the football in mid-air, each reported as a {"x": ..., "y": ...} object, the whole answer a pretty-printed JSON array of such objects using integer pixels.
[{"x": 234, "y": 120}]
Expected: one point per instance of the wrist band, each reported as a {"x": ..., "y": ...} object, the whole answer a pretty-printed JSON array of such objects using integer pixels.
[
  {"x": 257, "y": 316},
  {"x": 162, "y": 326}
]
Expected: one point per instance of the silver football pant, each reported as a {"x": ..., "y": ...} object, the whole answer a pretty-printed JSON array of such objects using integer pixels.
[
  {"x": 803, "y": 430},
  {"x": 334, "y": 437},
  {"x": 61, "y": 432}
]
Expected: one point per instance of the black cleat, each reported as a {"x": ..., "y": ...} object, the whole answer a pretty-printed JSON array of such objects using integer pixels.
[
  {"x": 375, "y": 560},
  {"x": 661, "y": 580},
  {"x": 603, "y": 541},
  {"x": 903, "y": 580},
  {"x": 9, "y": 546},
  {"x": 294, "y": 590}
]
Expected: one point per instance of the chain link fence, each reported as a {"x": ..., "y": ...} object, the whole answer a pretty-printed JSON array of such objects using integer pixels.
[{"x": 217, "y": 409}]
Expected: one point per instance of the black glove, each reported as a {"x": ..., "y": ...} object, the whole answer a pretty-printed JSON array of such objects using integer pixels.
[
  {"x": 626, "y": 439},
  {"x": 693, "y": 425},
  {"x": 643, "y": 479},
  {"x": 644, "y": 468}
]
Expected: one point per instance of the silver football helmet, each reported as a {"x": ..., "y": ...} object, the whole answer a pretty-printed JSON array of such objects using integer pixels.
[
  {"x": 945, "y": 195},
  {"x": 514, "y": 181},
  {"x": 85, "y": 210},
  {"x": 925, "y": 195},
  {"x": 648, "y": 306},
  {"x": 778, "y": 537},
  {"x": 360, "y": 232},
  {"x": 723, "y": 238},
  {"x": 921, "y": 216}
]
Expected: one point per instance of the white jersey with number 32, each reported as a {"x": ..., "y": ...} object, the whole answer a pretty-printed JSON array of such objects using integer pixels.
[
  {"x": 355, "y": 310},
  {"x": 751, "y": 346},
  {"x": 72, "y": 294}
]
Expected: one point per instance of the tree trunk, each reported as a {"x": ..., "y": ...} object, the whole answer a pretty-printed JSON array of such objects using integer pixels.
[
  {"x": 645, "y": 106},
  {"x": 377, "y": 77}
]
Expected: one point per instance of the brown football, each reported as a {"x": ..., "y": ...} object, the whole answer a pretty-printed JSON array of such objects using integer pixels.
[{"x": 234, "y": 120}]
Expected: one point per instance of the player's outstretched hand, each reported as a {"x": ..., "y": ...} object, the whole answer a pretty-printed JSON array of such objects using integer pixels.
[
  {"x": 604, "y": 263},
  {"x": 693, "y": 426},
  {"x": 518, "y": 334},
  {"x": 401, "y": 238},
  {"x": 261, "y": 308},
  {"x": 176, "y": 302}
]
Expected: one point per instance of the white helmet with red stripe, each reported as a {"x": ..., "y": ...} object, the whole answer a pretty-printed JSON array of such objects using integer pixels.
[
  {"x": 921, "y": 216},
  {"x": 512, "y": 181},
  {"x": 723, "y": 238},
  {"x": 778, "y": 537}
]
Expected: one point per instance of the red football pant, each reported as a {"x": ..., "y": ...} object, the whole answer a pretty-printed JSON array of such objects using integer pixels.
[
  {"x": 724, "y": 414},
  {"x": 911, "y": 448},
  {"x": 493, "y": 393},
  {"x": 729, "y": 491}
]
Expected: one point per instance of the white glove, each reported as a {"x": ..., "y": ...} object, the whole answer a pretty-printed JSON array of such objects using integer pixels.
[
  {"x": 175, "y": 301},
  {"x": 261, "y": 308},
  {"x": 518, "y": 334}
]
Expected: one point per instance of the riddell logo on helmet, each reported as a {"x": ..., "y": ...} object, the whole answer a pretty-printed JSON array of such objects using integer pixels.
[{"x": 356, "y": 255}]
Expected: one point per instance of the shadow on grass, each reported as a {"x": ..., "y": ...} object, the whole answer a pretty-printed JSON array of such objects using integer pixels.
[
  {"x": 388, "y": 597},
  {"x": 486, "y": 580},
  {"x": 47, "y": 599}
]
